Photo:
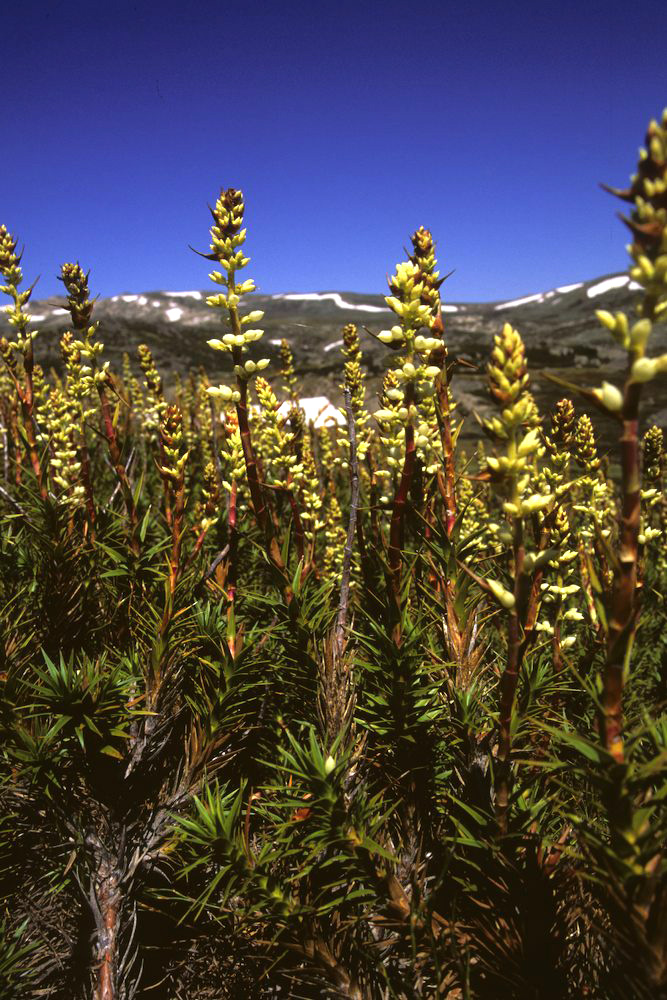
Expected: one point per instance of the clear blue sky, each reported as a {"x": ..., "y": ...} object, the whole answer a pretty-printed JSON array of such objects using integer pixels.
[{"x": 347, "y": 125}]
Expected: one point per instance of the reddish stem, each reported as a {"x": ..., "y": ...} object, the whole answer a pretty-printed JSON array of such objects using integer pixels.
[
  {"x": 397, "y": 529},
  {"x": 624, "y": 609}
]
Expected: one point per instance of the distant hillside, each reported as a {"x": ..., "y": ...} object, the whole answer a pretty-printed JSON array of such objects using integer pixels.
[{"x": 559, "y": 327}]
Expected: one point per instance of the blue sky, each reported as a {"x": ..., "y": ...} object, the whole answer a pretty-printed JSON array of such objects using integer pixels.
[{"x": 347, "y": 125}]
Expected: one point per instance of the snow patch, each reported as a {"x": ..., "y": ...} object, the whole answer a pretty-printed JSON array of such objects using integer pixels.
[
  {"x": 618, "y": 281},
  {"x": 336, "y": 343},
  {"x": 155, "y": 303},
  {"x": 564, "y": 289},
  {"x": 277, "y": 342},
  {"x": 521, "y": 302},
  {"x": 184, "y": 295},
  {"x": 450, "y": 309},
  {"x": 335, "y": 297},
  {"x": 60, "y": 312},
  {"x": 142, "y": 301},
  {"x": 319, "y": 409},
  {"x": 37, "y": 319},
  {"x": 173, "y": 314}
]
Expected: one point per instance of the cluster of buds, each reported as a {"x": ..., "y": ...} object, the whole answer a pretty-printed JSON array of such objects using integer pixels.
[
  {"x": 231, "y": 453},
  {"x": 290, "y": 381},
  {"x": 508, "y": 379},
  {"x": 208, "y": 506},
  {"x": 355, "y": 383},
  {"x": 204, "y": 410},
  {"x": 584, "y": 447},
  {"x": 174, "y": 455},
  {"x": 227, "y": 238},
  {"x": 652, "y": 497},
  {"x": 562, "y": 588},
  {"x": 78, "y": 295},
  {"x": 654, "y": 455},
  {"x": 423, "y": 256},
  {"x": 559, "y": 442},
  {"x": 59, "y": 420},
  {"x": 275, "y": 443},
  {"x": 427, "y": 436},
  {"x": 131, "y": 387},
  {"x": 310, "y": 495},
  {"x": 416, "y": 301},
  {"x": 392, "y": 437},
  {"x": 562, "y": 428},
  {"x": 10, "y": 261},
  {"x": 155, "y": 403},
  {"x": 514, "y": 473},
  {"x": 648, "y": 224},
  {"x": 335, "y": 538},
  {"x": 78, "y": 381},
  {"x": 80, "y": 307},
  {"x": 594, "y": 499},
  {"x": 10, "y": 269}
]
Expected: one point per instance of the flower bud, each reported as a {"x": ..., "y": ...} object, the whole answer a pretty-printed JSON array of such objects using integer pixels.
[
  {"x": 253, "y": 317},
  {"x": 610, "y": 396},
  {"x": 643, "y": 370},
  {"x": 222, "y": 392},
  {"x": 530, "y": 443},
  {"x": 606, "y": 319},
  {"x": 502, "y": 595},
  {"x": 640, "y": 333},
  {"x": 535, "y": 503}
]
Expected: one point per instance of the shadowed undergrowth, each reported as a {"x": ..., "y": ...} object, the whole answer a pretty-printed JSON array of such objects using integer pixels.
[{"x": 346, "y": 709}]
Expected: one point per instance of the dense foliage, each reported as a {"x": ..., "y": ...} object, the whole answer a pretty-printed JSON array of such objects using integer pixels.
[{"x": 315, "y": 710}]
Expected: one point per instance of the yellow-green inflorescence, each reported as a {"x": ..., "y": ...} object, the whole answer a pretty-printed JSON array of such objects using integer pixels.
[
  {"x": 648, "y": 251},
  {"x": 415, "y": 301},
  {"x": 227, "y": 238},
  {"x": 409, "y": 385},
  {"x": 94, "y": 372},
  {"x": 19, "y": 318}
]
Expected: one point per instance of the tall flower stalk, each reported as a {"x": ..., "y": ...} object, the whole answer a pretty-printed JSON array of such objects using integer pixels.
[
  {"x": 10, "y": 268},
  {"x": 414, "y": 300},
  {"x": 97, "y": 375},
  {"x": 648, "y": 225},
  {"x": 227, "y": 239}
]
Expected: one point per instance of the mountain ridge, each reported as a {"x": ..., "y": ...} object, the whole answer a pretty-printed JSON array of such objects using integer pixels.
[{"x": 559, "y": 327}]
